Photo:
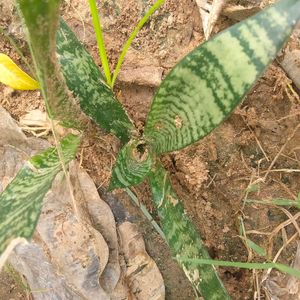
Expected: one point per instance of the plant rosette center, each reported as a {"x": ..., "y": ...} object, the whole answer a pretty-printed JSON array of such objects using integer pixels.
[{"x": 133, "y": 164}]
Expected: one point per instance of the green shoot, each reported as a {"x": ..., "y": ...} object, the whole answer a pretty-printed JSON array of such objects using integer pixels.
[
  {"x": 279, "y": 202},
  {"x": 250, "y": 244},
  {"x": 100, "y": 41},
  {"x": 259, "y": 266},
  {"x": 134, "y": 33},
  {"x": 145, "y": 212}
]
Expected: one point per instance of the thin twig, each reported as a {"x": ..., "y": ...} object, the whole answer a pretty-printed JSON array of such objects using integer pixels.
[
  {"x": 282, "y": 170},
  {"x": 286, "y": 189},
  {"x": 288, "y": 116},
  {"x": 284, "y": 224},
  {"x": 279, "y": 252},
  {"x": 211, "y": 181},
  {"x": 290, "y": 216},
  {"x": 145, "y": 212},
  {"x": 280, "y": 151},
  {"x": 256, "y": 139}
]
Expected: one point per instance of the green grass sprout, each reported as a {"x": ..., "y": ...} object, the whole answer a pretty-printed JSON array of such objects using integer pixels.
[{"x": 100, "y": 41}]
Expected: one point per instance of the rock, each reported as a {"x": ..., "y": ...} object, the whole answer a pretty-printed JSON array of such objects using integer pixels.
[
  {"x": 76, "y": 253},
  {"x": 142, "y": 275},
  {"x": 10, "y": 133},
  {"x": 31, "y": 261},
  {"x": 77, "y": 249},
  {"x": 291, "y": 64},
  {"x": 240, "y": 13},
  {"x": 102, "y": 219},
  {"x": 15, "y": 148},
  {"x": 147, "y": 76},
  {"x": 141, "y": 70}
]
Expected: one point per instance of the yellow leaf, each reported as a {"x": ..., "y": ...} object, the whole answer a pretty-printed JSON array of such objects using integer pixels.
[{"x": 13, "y": 76}]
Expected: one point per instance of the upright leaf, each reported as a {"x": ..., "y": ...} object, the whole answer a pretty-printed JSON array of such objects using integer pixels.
[
  {"x": 183, "y": 238},
  {"x": 202, "y": 90},
  {"x": 40, "y": 18},
  {"x": 21, "y": 201},
  {"x": 85, "y": 80}
]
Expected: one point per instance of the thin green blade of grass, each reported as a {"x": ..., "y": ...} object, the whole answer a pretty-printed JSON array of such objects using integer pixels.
[
  {"x": 259, "y": 266},
  {"x": 146, "y": 213},
  {"x": 134, "y": 33},
  {"x": 250, "y": 244},
  {"x": 256, "y": 248},
  {"x": 100, "y": 41},
  {"x": 279, "y": 202}
]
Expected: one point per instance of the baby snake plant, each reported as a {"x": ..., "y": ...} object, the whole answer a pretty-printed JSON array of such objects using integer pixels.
[{"x": 197, "y": 95}]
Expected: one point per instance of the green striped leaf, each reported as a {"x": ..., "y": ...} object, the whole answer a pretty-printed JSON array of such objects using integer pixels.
[
  {"x": 40, "y": 19},
  {"x": 182, "y": 237},
  {"x": 87, "y": 83},
  {"x": 204, "y": 87},
  {"x": 21, "y": 201},
  {"x": 132, "y": 166}
]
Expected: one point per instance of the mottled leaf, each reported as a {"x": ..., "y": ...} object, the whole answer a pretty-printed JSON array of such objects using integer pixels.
[
  {"x": 13, "y": 76},
  {"x": 132, "y": 166},
  {"x": 202, "y": 90},
  {"x": 40, "y": 19},
  {"x": 21, "y": 201},
  {"x": 182, "y": 237},
  {"x": 85, "y": 80}
]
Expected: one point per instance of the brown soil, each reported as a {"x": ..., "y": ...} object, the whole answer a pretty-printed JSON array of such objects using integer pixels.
[
  {"x": 11, "y": 287},
  {"x": 211, "y": 176}
]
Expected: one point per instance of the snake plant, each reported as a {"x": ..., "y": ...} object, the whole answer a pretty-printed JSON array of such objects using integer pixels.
[{"x": 197, "y": 95}]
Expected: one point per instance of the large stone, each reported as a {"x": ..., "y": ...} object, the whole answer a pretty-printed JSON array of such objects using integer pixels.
[
  {"x": 75, "y": 252},
  {"x": 291, "y": 64}
]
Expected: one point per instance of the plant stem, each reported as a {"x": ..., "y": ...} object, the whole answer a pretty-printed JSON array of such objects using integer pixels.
[
  {"x": 140, "y": 24},
  {"x": 100, "y": 41},
  {"x": 260, "y": 266},
  {"x": 145, "y": 212}
]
